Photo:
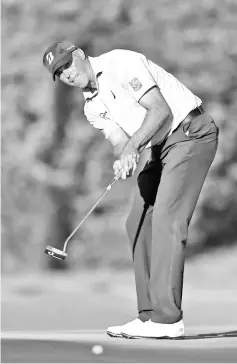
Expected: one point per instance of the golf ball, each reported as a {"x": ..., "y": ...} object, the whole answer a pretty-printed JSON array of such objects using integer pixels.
[{"x": 97, "y": 349}]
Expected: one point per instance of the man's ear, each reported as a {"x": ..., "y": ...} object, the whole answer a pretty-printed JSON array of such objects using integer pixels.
[{"x": 79, "y": 53}]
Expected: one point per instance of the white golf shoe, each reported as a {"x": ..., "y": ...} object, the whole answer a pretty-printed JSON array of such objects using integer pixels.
[
  {"x": 153, "y": 330},
  {"x": 116, "y": 331}
]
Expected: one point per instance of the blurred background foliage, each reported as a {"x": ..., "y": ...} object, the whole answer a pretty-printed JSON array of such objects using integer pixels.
[{"x": 55, "y": 165}]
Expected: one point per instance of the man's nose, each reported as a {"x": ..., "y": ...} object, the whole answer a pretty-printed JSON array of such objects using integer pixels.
[{"x": 67, "y": 73}]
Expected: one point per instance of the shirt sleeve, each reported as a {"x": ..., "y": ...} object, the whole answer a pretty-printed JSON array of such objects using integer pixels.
[
  {"x": 100, "y": 121},
  {"x": 136, "y": 76}
]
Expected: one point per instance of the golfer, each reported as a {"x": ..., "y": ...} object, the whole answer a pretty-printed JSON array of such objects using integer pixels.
[{"x": 137, "y": 105}]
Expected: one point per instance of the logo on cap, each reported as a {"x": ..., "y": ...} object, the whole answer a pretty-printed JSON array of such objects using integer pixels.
[
  {"x": 57, "y": 55},
  {"x": 49, "y": 57}
]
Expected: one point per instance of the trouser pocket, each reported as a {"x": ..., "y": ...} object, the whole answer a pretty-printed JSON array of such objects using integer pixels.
[{"x": 200, "y": 127}]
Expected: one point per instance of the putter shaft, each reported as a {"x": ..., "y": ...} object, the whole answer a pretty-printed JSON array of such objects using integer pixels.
[{"x": 89, "y": 212}]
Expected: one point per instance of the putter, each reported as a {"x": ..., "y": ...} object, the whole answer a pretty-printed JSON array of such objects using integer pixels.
[{"x": 62, "y": 254}]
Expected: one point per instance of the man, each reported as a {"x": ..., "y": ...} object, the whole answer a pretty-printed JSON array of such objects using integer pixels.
[{"x": 137, "y": 104}]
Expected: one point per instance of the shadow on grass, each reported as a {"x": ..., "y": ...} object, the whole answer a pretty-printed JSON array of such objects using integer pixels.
[
  {"x": 215, "y": 335},
  {"x": 209, "y": 336}
]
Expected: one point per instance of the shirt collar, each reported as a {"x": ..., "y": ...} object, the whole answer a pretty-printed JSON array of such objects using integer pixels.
[
  {"x": 96, "y": 67},
  {"x": 95, "y": 64}
]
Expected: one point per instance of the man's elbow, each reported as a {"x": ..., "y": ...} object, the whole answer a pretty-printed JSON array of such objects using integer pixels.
[
  {"x": 163, "y": 113},
  {"x": 165, "y": 117},
  {"x": 169, "y": 115}
]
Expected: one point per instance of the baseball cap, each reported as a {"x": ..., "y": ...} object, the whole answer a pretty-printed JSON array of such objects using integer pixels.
[{"x": 57, "y": 55}]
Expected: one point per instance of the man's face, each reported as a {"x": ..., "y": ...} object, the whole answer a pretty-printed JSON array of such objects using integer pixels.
[{"x": 74, "y": 73}]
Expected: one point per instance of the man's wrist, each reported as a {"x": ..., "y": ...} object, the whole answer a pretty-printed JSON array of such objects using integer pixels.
[{"x": 136, "y": 143}]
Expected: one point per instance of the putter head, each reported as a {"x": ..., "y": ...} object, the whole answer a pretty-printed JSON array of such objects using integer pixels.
[{"x": 55, "y": 253}]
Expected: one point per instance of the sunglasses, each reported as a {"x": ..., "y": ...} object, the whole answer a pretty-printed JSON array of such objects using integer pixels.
[{"x": 62, "y": 68}]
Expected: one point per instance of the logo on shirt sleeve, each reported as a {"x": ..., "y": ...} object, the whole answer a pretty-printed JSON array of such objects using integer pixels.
[{"x": 135, "y": 84}]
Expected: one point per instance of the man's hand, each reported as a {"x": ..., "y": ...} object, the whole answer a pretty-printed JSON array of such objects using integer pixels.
[{"x": 127, "y": 164}]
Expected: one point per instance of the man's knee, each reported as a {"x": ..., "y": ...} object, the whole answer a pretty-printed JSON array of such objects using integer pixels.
[{"x": 166, "y": 222}]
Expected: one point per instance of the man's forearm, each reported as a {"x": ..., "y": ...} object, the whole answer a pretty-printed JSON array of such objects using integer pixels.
[
  {"x": 156, "y": 123},
  {"x": 118, "y": 138}
]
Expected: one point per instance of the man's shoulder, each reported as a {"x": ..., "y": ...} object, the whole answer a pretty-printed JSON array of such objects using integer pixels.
[{"x": 119, "y": 56}]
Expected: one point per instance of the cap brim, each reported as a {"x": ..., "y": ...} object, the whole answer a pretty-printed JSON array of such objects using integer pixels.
[{"x": 60, "y": 63}]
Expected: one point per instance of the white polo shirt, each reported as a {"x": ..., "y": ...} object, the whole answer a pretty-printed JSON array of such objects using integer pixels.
[{"x": 123, "y": 78}]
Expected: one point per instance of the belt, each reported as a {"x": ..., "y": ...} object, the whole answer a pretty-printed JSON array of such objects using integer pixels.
[{"x": 193, "y": 113}]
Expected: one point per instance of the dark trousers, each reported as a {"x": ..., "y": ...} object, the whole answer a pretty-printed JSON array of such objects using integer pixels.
[{"x": 173, "y": 180}]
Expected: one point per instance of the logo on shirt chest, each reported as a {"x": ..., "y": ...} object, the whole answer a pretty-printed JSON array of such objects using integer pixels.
[
  {"x": 104, "y": 115},
  {"x": 135, "y": 84}
]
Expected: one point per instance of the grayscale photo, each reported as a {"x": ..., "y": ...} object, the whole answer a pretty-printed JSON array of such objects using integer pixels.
[{"x": 119, "y": 181}]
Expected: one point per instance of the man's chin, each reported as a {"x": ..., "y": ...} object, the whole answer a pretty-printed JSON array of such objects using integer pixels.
[
  {"x": 80, "y": 84},
  {"x": 77, "y": 85}
]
